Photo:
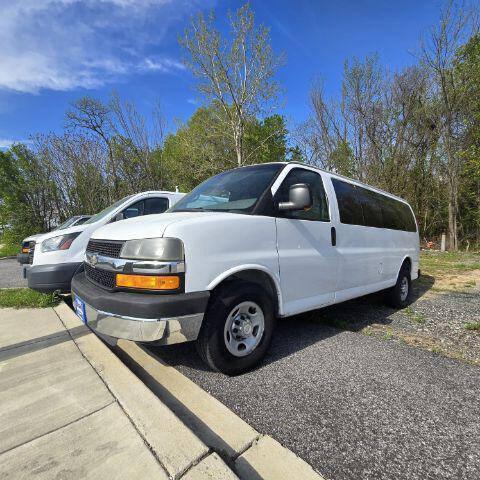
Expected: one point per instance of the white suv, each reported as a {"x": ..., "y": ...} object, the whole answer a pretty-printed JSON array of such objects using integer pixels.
[
  {"x": 243, "y": 248},
  {"x": 55, "y": 257}
]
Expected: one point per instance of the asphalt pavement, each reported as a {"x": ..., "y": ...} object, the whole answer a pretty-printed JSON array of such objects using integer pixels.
[
  {"x": 354, "y": 406},
  {"x": 11, "y": 274}
]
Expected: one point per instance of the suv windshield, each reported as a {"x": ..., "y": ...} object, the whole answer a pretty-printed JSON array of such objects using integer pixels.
[
  {"x": 233, "y": 191},
  {"x": 106, "y": 211}
]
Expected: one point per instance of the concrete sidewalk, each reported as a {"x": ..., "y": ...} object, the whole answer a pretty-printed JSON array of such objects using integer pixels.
[{"x": 69, "y": 408}]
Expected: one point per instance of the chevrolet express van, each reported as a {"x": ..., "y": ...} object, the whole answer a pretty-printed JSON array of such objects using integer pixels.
[
  {"x": 23, "y": 257},
  {"x": 244, "y": 247},
  {"x": 54, "y": 257}
]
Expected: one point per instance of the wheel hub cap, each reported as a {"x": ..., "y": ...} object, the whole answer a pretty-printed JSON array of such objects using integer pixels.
[{"x": 244, "y": 329}]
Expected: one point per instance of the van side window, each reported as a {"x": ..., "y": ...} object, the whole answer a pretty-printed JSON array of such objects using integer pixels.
[
  {"x": 155, "y": 205},
  {"x": 361, "y": 206},
  {"x": 348, "y": 203},
  {"x": 372, "y": 207},
  {"x": 319, "y": 209}
]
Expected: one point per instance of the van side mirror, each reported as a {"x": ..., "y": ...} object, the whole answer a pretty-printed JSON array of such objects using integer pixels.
[
  {"x": 131, "y": 212},
  {"x": 118, "y": 217},
  {"x": 299, "y": 198}
]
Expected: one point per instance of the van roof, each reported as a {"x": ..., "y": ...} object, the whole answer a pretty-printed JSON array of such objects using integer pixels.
[{"x": 337, "y": 175}]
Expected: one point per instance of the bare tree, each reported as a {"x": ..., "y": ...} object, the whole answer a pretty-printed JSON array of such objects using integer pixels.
[
  {"x": 93, "y": 116},
  {"x": 236, "y": 72},
  {"x": 457, "y": 24}
]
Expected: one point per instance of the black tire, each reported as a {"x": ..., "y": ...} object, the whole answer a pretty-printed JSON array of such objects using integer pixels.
[
  {"x": 211, "y": 343},
  {"x": 395, "y": 296}
]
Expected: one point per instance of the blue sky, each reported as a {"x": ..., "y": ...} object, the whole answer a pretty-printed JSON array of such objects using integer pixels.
[{"x": 54, "y": 51}]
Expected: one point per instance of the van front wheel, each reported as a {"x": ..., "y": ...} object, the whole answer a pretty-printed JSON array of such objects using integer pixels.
[{"x": 237, "y": 328}]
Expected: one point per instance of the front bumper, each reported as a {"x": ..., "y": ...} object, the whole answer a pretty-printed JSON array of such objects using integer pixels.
[
  {"x": 22, "y": 258},
  {"x": 141, "y": 317},
  {"x": 52, "y": 277}
]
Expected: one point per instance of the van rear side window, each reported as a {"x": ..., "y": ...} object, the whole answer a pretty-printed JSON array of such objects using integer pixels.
[
  {"x": 348, "y": 203},
  {"x": 361, "y": 206}
]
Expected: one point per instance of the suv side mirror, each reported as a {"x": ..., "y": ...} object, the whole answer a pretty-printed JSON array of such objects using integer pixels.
[
  {"x": 299, "y": 198},
  {"x": 118, "y": 217}
]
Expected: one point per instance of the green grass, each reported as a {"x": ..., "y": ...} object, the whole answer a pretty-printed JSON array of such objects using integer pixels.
[
  {"x": 26, "y": 298},
  {"x": 415, "y": 317},
  {"x": 8, "y": 250},
  {"x": 433, "y": 263},
  {"x": 473, "y": 326}
]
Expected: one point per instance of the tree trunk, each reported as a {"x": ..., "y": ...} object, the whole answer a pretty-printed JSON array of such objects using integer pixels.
[
  {"x": 238, "y": 138},
  {"x": 452, "y": 220}
]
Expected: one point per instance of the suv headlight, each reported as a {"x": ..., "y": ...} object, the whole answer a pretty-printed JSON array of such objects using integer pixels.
[
  {"x": 62, "y": 242},
  {"x": 162, "y": 249}
]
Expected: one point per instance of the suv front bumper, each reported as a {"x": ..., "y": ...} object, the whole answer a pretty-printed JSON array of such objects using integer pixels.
[{"x": 142, "y": 317}]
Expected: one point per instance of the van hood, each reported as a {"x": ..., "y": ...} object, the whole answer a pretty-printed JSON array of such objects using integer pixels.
[
  {"x": 58, "y": 233},
  {"x": 33, "y": 237},
  {"x": 149, "y": 226}
]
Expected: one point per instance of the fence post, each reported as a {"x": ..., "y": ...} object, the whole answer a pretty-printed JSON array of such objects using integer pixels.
[{"x": 442, "y": 243}]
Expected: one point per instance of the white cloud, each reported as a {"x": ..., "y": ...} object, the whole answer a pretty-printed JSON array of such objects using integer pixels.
[
  {"x": 7, "y": 143},
  {"x": 68, "y": 44},
  {"x": 160, "y": 65}
]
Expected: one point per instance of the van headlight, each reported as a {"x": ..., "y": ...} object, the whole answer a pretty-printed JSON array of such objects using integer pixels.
[
  {"x": 161, "y": 249},
  {"x": 62, "y": 242}
]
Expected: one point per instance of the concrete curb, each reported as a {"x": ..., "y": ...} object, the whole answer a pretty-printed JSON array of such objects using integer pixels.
[
  {"x": 249, "y": 453},
  {"x": 8, "y": 258},
  {"x": 174, "y": 445}
]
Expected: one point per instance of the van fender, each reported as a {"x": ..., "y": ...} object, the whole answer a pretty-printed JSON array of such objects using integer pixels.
[
  {"x": 413, "y": 275},
  {"x": 240, "y": 268}
]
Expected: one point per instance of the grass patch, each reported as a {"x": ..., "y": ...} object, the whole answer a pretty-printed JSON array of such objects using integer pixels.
[
  {"x": 26, "y": 298},
  {"x": 415, "y": 317},
  {"x": 7, "y": 250},
  {"x": 473, "y": 326},
  {"x": 435, "y": 263}
]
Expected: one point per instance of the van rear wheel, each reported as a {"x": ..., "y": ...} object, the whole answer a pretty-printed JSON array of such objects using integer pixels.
[
  {"x": 399, "y": 296},
  {"x": 237, "y": 328}
]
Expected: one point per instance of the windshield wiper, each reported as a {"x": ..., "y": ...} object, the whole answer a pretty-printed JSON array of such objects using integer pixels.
[{"x": 195, "y": 209}]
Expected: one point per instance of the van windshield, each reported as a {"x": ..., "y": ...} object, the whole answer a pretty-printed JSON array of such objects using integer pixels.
[
  {"x": 106, "y": 211},
  {"x": 235, "y": 191},
  {"x": 66, "y": 224}
]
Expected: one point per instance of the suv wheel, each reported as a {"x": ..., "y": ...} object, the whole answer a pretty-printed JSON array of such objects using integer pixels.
[
  {"x": 237, "y": 328},
  {"x": 399, "y": 296}
]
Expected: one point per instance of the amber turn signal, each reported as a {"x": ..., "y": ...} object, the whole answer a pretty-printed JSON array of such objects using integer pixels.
[
  {"x": 25, "y": 250},
  {"x": 148, "y": 282}
]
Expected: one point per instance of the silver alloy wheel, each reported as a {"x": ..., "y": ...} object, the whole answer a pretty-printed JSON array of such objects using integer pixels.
[
  {"x": 404, "y": 289},
  {"x": 244, "y": 329}
]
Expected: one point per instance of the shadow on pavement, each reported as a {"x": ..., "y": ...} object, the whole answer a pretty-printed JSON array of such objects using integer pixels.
[{"x": 298, "y": 332}]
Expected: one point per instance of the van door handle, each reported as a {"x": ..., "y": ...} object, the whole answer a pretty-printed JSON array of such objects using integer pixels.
[{"x": 333, "y": 233}]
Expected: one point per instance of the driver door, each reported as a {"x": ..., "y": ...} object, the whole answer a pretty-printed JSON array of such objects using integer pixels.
[{"x": 308, "y": 261}]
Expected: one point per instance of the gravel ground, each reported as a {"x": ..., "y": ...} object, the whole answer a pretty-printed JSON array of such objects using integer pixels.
[
  {"x": 355, "y": 406},
  {"x": 11, "y": 274},
  {"x": 436, "y": 320}
]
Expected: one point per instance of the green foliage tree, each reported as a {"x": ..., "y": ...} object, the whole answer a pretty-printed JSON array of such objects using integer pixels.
[{"x": 237, "y": 73}]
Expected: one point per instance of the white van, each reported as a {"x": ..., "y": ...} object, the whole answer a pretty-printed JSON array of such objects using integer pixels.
[
  {"x": 54, "y": 257},
  {"x": 23, "y": 257},
  {"x": 244, "y": 247}
]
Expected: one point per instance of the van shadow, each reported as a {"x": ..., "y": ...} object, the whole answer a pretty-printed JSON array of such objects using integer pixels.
[{"x": 298, "y": 332}]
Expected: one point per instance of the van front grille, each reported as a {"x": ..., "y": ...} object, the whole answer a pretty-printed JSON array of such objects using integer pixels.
[
  {"x": 99, "y": 276},
  {"x": 107, "y": 248}
]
